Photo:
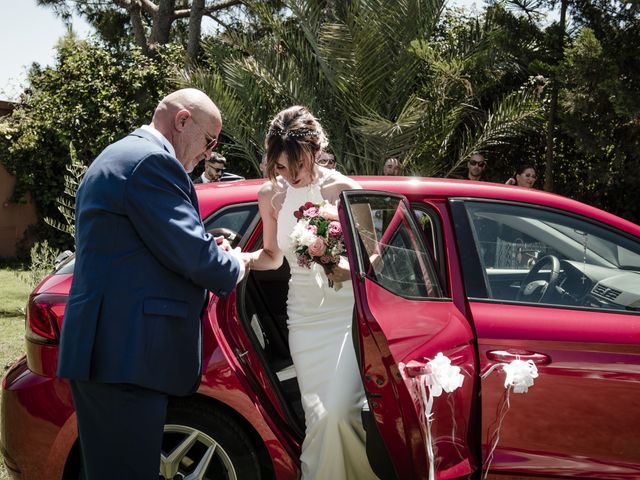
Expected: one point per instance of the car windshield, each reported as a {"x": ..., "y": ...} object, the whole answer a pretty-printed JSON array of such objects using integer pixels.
[{"x": 609, "y": 251}]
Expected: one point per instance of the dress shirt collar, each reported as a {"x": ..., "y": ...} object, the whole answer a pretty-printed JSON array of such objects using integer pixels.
[{"x": 167, "y": 145}]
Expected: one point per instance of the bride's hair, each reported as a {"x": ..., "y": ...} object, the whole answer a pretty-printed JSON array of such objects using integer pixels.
[{"x": 298, "y": 134}]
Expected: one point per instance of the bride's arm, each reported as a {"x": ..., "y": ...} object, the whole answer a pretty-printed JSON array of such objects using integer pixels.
[{"x": 270, "y": 256}]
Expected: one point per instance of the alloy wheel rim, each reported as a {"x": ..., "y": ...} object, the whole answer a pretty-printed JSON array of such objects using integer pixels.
[{"x": 190, "y": 454}]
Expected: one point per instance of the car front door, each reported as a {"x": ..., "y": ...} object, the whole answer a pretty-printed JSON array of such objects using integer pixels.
[
  {"x": 404, "y": 320},
  {"x": 561, "y": 289}
]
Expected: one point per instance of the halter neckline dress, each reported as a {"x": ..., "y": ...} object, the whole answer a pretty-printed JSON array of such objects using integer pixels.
[{"x": 323, "y": 356}]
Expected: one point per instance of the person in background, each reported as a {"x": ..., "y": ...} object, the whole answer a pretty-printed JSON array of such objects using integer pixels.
[
  {"x": 263, "y": 166},
  {"x": 391, "y": 167},
  {"x": 215, "y": 170},
  {"x": 476, "y": 167},
  {"x": 327, "y": 160},
  {"x": 525, "y": 176},
  {"x": 131, "y": 335}
]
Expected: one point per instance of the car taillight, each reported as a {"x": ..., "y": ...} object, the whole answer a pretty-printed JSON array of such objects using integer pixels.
[{"x": 44, "y": 318}]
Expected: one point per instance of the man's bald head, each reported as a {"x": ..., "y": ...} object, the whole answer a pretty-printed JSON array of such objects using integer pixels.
[
  {"x": 190, "y": 120},
  {"x": 195, "y": 101}
]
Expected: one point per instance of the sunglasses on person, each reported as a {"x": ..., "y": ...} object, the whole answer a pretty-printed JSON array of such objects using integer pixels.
[
  {"x": 323, "y": 162},
  {"x": 211, "y": 142},
  {"x": 215, "y": 169},
  {"x": 479, "y": 163}
]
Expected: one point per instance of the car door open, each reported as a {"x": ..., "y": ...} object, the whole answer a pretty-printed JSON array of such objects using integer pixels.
[{"x": 403, "y": 321}]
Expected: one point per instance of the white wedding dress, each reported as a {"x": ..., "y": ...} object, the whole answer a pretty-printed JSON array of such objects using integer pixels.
[{"x": 323, "y": 355}]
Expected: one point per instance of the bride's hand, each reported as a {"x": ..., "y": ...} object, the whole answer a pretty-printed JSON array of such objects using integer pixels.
[{"x": 341, "y": 272}]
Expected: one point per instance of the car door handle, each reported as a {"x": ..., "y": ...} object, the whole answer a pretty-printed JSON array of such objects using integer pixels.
[
  {"x": 415, "y": 369},
  {"x": 506, "y": 356}
]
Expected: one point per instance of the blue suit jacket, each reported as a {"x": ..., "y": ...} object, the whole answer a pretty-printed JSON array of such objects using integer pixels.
[{"x": 143, "y": 264}]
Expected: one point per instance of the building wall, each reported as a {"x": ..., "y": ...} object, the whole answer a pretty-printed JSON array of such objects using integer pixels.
[
  {"x": 15, "y": 218},
  {"x": 6, "y": 107}
]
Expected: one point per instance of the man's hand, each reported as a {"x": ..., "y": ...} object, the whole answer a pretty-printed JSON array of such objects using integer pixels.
[{"x": 223, "y": 243}]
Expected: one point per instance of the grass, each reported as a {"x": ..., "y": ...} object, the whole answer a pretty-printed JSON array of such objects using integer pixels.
[{"x": 13, "y": 300}]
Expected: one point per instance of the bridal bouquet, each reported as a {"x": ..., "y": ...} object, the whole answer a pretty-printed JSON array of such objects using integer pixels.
[{"x": 317, "y": 236}]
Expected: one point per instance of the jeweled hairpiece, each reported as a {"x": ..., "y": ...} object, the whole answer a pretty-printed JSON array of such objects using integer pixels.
[{"x": 278, "y": 132}]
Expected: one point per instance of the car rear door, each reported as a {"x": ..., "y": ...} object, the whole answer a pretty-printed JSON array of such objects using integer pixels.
[{"x": 403, "y": 320}]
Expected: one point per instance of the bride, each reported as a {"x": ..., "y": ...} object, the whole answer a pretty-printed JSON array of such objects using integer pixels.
[{"x": 319, "y": 317}]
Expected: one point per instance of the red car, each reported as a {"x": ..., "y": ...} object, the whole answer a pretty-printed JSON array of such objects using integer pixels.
[{"x": 484, "y": 273}]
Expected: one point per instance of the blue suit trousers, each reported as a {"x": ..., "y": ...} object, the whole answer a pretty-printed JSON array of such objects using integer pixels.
[{"x": 120, "y": 428}]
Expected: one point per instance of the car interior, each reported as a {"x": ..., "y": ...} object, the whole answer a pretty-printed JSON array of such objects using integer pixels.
[
  {"x": 263, "y": 313},
  {"x": 262, "y": 308},
  {"x": 530, "y": 255}
]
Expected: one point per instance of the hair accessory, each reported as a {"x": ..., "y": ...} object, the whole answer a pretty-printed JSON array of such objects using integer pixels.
[{"x": 278, "y": 132}]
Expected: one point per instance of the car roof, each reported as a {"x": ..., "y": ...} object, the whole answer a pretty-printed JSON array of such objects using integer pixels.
[{"x": 213, "y": 196}]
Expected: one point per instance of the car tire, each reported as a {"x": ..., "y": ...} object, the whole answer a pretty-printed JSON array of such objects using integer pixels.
[{"x": 198, "y": 438}]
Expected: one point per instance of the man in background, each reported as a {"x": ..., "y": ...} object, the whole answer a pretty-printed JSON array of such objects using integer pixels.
[
  {"x": 475, "y": 167},
  {"x": 392, "y": 167},
  {"x": 327, "y": 160},
  {"x": 215, "y": 170}
]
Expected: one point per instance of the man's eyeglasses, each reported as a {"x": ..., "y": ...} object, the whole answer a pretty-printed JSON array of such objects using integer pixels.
[
  {"x": 211, "y": 142},
  {"x": 479, "y": 163}
]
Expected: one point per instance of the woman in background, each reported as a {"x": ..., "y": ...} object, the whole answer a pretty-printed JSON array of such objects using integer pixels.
[{"x": 525, "y": 176}]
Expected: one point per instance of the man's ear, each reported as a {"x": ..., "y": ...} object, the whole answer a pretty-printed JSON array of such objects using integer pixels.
[{"x": 181, "y": 119}]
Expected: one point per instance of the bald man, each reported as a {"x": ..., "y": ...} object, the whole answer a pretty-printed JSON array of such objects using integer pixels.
[{"x": 143, "y": 265}]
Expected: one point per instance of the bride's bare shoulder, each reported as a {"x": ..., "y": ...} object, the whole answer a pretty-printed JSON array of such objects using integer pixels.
[{"x": 270, "y": 190}]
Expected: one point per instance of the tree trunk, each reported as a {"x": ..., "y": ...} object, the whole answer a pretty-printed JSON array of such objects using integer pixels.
[
  {"x": 553, "y": 106},
  {"x": 135, "y": 15},
  {"x": 162, "y": 20},
  {"x": 195, "y": 28}
]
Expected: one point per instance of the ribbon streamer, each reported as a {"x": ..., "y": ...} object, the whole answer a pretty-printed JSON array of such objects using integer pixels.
[
  {"x": 437, "y": 376},
  {"x": 519, "y": 377}
]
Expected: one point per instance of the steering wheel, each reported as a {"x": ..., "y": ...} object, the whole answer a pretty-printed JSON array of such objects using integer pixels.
[{"x": 543, "y": 288}]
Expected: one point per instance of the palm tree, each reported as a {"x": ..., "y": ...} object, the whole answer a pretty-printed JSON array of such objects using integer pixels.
[{"x": 379, "y": 74}]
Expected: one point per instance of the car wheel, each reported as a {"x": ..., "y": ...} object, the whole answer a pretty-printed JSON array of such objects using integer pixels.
[{"x": 203, "y": 443}]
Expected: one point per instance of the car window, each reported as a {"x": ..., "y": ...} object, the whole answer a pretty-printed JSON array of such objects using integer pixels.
[
  {"x": 538, "y": 255},
  {"x": 232, "y": 222},
  {"x": 398, "y": 258},
  {"x": 429, "y": 222}
]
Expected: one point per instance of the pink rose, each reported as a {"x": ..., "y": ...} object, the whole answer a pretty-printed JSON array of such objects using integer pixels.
[
  {"x": 335, "y": 229},
  {"x": 311, "y": 212},
  {"x": 328, "y": 211},
  {"x": 317, "y": 248},
  {"x": 312, "y": 228}
]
